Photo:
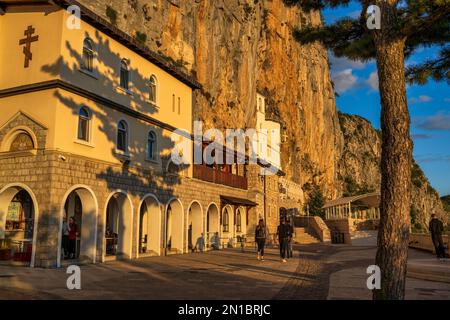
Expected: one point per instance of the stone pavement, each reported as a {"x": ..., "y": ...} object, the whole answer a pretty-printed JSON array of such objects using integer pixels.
[
  {"x": 317, "y": 272},
  {"x": 228, "y": 274},
  {"x": 348, "y": 280}
]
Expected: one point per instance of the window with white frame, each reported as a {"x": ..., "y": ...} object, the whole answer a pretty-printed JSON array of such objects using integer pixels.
[
  {"x": 122, "y": 136},
  {"x": 152, "y": 90},
  {"x": 124, "y": 74},
  {"x": 238, "y": 221},
  {"x": 152, "y": 149},
  {"x": 84, "y": 119},
  {"x": 225, "y": 221},
  {"x": 88, "y": 55}
]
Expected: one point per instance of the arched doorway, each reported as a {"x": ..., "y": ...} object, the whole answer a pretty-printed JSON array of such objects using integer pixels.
[
  {"x": 196, "y": 239},
  {"x": 228, "y": 226},
  {"x": 150, "y": 226},
  {"x": 241, "y": 221},
  {"x": 81, "y": 205},
  {"x": 174, "y": 227},
  {"x": 213, "y": 227},
  {"x": 118, "y": 226},
  {"x": 18, "y": 212}
]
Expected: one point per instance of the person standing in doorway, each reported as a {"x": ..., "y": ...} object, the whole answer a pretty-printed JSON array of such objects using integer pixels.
[
  {"x": 436, "y": 227},
  {"x": 65, "y": 238},
  {"x": 73, "y": 230},
  {"x": 260, "y": 238},
  {"x": 283, "y": 236}
]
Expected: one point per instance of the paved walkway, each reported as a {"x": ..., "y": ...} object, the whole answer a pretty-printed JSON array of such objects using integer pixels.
[
  {"x": 317, "y": 272},
  {"x": 348, "y": 281}
]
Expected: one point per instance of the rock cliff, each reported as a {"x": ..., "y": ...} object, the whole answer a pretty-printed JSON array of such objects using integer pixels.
[{"x": 359, "y": 170}]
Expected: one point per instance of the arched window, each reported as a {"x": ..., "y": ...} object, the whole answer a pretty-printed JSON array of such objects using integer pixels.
[
  {"x": 225, "y": 221},
  {"x": 124, "y": 74},
  {"x": 84, "y": 118},
  {"x": 122, "y": 136},
  {"x": 152, "y": 93},
  {"x": 238, "y": 221},
  {"x": 152, "y": 150},
  {"x": 88, "y": 55}
]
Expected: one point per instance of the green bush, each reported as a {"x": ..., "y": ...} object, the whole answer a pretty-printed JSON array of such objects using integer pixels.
[
  {"x": 316, "y": 201},
  {"x": 141, "y": 37}
]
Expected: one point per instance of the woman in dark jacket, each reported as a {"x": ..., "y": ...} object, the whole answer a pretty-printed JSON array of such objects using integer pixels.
[{"x": 260, "y": 238}]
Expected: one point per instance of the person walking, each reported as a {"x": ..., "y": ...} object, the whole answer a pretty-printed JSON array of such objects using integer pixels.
[
  {"x": 290, "y": 236},
  {"x": 283, "y": 236},
  {"x": 436, "y": 227},
  {"x": 73, "y": 231},
  {"x": 260, "y": 238}
]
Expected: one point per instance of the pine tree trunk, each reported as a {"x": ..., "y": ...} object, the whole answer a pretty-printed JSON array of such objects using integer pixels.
[{"x": 396, "y": 160}]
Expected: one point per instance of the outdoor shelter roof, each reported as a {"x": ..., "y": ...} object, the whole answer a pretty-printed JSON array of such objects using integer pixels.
[{"x": 371, "y": 200}]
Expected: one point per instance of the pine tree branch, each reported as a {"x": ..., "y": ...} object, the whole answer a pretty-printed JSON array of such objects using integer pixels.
[
  {"x": 346, "y": 37},
  {"x": 420, "y": 15},
  {"x": 437, "y": 69}
]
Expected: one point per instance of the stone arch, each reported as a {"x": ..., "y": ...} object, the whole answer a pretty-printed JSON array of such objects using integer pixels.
[
  {"x": 7, "y": 194},
  {"x": 230, "y": 232},
  {"x": 11, "y": 138},
  {"x": 174, "y": 226},
  {"x": 212, "y": 226},
  {"x": 241, "y": 218},
  {"x": 118, "y": 225},
  {"x": 149, "y": 225},
  {"x": 87, "y": 222},
  {"x": 195, "y": 228}
]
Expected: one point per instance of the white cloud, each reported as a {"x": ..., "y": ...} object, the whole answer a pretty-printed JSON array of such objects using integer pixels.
[
  {"x": 341, "y": 64},
  {"x": 373, "y": 81},
  {"x": 344, "y": 80},
  {"x": 440, "y": 121},
  {"x": 420, "y": 99}
]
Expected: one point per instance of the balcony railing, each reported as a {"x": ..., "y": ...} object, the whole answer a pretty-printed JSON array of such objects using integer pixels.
[{"x": 205, "y": 173}]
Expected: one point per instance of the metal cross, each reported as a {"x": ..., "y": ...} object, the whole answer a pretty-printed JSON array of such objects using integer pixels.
[{"x": 27, "y": 42}]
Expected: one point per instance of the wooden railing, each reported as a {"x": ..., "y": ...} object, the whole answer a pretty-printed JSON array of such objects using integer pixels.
[{"x": 215, "y": 176}]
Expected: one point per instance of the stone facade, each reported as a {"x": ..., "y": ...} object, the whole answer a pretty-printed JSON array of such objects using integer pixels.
[{"x": 50, "y": 175}]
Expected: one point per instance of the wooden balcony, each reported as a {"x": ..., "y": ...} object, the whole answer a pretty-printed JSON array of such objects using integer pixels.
[{"x": 214, "y": 175}]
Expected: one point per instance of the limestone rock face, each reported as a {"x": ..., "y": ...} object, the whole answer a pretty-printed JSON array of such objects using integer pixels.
[
  {"x": 359, "y": 171},
  {"x": 236, "y": 48}
]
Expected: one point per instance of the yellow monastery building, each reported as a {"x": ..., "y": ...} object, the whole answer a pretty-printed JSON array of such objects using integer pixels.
[{"x": 88, "y": 118}]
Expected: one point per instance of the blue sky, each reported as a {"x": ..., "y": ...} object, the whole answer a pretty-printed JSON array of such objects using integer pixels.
[{"x": 429, "y": 105}]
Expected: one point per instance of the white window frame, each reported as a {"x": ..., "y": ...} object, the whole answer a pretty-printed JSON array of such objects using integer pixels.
[
  {"x": 155, "y": 146},
  {"x": 130, "y": 84},
  {"x": 89, "y": 126},
  {"x": 156, "y": 84},
  {"x": 125, "y": 152},
  {"x": 92, "y": 73}
]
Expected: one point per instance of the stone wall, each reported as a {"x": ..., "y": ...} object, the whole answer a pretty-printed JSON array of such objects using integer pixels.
[{"x": 50, "y": 175}]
